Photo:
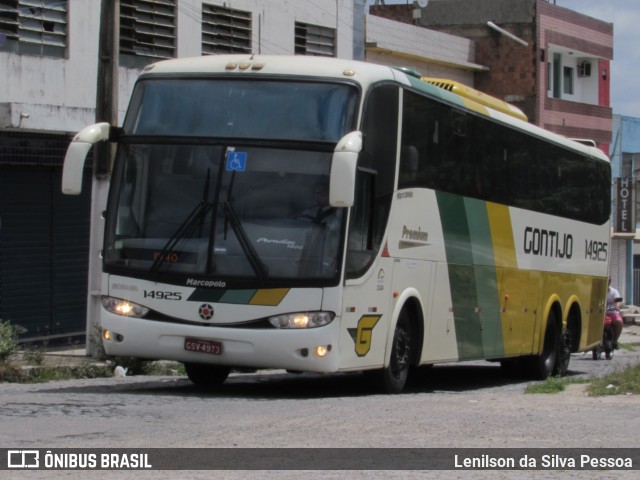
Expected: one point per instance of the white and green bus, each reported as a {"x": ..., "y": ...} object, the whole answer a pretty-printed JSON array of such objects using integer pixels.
[{"x": 326, "y": 215}]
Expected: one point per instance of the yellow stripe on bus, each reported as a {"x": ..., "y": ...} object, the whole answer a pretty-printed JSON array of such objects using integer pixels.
[
  {"x": 269, "y": 296},
  {"x": 504, "y": 250}
]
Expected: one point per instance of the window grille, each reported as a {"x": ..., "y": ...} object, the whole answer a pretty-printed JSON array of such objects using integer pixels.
[
  {"x": 34, "y": 27},
  {"x": 26, "y": 148},
  {"x": 315, "y": 40},
  {"x": 148, "y": 28},
  {"x": 225, "y": 30}
]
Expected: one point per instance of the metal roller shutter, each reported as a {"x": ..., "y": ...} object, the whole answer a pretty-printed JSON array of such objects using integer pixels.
[{"x": 44, "y": 240}]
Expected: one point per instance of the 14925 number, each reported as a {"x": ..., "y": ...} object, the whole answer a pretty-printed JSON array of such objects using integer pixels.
[
  {"x": 596, "y": 251},
  {"x": 160, "y": 295}
]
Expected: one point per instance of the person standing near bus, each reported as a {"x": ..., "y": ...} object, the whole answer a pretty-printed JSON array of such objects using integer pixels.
[{"x": 613, "y": 297}]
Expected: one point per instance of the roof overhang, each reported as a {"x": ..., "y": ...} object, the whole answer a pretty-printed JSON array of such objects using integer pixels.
[{"x": 373, "y": 47}]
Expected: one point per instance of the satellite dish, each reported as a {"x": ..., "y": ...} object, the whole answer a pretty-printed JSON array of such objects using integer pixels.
[{"x": 423, "y": 3}]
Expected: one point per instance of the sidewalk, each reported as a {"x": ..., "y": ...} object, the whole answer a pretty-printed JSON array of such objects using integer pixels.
[
  {"x": 630, "y": 333},
  {"x": 58, "y": 357},
  {"x": 631, "y": 315},
  {"x": 70, "y": 356}
]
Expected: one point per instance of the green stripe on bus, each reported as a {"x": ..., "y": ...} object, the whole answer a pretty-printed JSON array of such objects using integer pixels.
[
  {"x": 205, "y": 295},
  {"x": 267, "y": 296},
  {"x": 472, "y": 276},
  {"x": 486, "y": 277},
  {"x": 462, "y": 279},
  {"x": 239, "y": 297}
]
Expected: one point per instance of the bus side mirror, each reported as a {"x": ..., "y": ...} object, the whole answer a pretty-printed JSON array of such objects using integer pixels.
[
  {"x": 342, "y": 183},
  {"x": 77, "y": 154}
]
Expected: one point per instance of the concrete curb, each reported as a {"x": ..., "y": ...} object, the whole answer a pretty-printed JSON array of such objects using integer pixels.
[{"x": 61, "y": 357}]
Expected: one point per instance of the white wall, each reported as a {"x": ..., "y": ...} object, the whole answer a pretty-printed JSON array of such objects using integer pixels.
[
  {"x": 585, "y": 89},
  {"x": 58, "y": 95},
  {"x": 431, "y": 53}
]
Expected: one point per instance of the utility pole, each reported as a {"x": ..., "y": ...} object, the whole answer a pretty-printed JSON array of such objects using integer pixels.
[
  {"x": 103, "y": 154},
  {"x": 107, "y": 86}
]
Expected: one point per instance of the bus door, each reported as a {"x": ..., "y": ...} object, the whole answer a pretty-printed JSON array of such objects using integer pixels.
[{"x": 367, "y": 291}]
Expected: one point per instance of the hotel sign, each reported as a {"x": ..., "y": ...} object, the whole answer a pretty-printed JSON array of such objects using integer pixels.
[{"x": 624, "y": 222}]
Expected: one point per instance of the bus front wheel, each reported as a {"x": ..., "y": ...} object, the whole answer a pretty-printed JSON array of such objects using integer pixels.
[
  {"x": 394, "y": 377},
  {"x": 204, "y": 375}
]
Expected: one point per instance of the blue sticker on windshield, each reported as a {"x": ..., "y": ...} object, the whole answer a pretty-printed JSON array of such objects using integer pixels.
[{"x": 236, "y": 161}]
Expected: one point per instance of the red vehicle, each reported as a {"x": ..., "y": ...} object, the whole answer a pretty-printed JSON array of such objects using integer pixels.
[{"x": 608, "y": 343}]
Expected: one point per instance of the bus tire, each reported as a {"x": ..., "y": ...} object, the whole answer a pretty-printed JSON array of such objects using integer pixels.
[
  {"x": 394, "y": 377},
  {"x": 564, "y": 355},
  {"x": 545, "y": 364},
  {"x": 204, "y": 375}
]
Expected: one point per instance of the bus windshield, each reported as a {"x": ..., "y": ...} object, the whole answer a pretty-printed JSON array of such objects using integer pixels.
[
  {"x": 220, "y": 206},
  {"x": 239, "y": 108}
]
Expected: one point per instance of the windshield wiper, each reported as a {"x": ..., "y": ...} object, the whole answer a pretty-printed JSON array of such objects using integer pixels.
[
  {"x": 254, "y": 259},
  {"x": 185, "y": 229}
]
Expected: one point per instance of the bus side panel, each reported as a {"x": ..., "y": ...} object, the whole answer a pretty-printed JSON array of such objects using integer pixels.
[
  {"x": 471, "y": 251},
  {"x": 520, "y": 312},
  {"x": 366, "y": 317},
  {"x": 440, "y": 342},
  {"x": 571, "y": 273}
]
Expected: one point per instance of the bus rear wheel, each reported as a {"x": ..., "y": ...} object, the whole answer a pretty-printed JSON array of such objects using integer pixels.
[
  {"x": 204, "y": 375},
  {"x": 394, "y": 377},
  {"x": 548, "y": 362}
]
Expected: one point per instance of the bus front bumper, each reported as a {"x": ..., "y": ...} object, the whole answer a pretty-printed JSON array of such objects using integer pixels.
[{"x": 311, "y": 350}]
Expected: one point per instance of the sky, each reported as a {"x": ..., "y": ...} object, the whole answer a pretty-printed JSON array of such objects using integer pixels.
[{"x": 625, "y": 67}]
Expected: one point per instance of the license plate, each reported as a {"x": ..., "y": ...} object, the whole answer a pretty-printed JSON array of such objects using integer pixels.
[{"x": 204, "y": 346}]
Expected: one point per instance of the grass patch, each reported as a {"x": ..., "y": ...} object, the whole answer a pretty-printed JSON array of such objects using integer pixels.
[
  {"x": 631, "y": 347},
  {"x": 617, "y": 383},
  {"x": 13, "y": 373},
  {"x": 9, "y": 334},
  {"x": 33, "y": 355},
  {"x": 71, "y": 372},
  {"x": 552, "y": 385},
  {"x": 33, "y": 367}
]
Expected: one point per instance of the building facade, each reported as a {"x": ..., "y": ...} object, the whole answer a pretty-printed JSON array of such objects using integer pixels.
[
  {"x": 428, "y": 52},
  {"x": 49, "y": 52},
  {"x": 625, "y": 163},
  {"x": 551, "y": 62},
  {"x": 49, "y": 58}
]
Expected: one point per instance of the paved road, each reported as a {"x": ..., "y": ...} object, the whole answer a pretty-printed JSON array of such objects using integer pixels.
[{"x": 463, "y": 405}]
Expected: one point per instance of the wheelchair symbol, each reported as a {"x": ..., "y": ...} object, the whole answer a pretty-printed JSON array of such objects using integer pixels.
[{"x": 236, "y": 161}]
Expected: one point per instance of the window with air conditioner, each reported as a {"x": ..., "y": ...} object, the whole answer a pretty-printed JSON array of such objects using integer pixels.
[{"x": 584, "y": 68}]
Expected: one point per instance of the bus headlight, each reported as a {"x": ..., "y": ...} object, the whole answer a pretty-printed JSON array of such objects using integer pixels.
[
  {"x": 124, "y": 307},
  {"x": 302, "y": 319}
]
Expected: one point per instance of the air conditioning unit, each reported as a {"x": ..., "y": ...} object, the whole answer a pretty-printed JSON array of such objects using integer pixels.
[{"x": 584, "y": 68}]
